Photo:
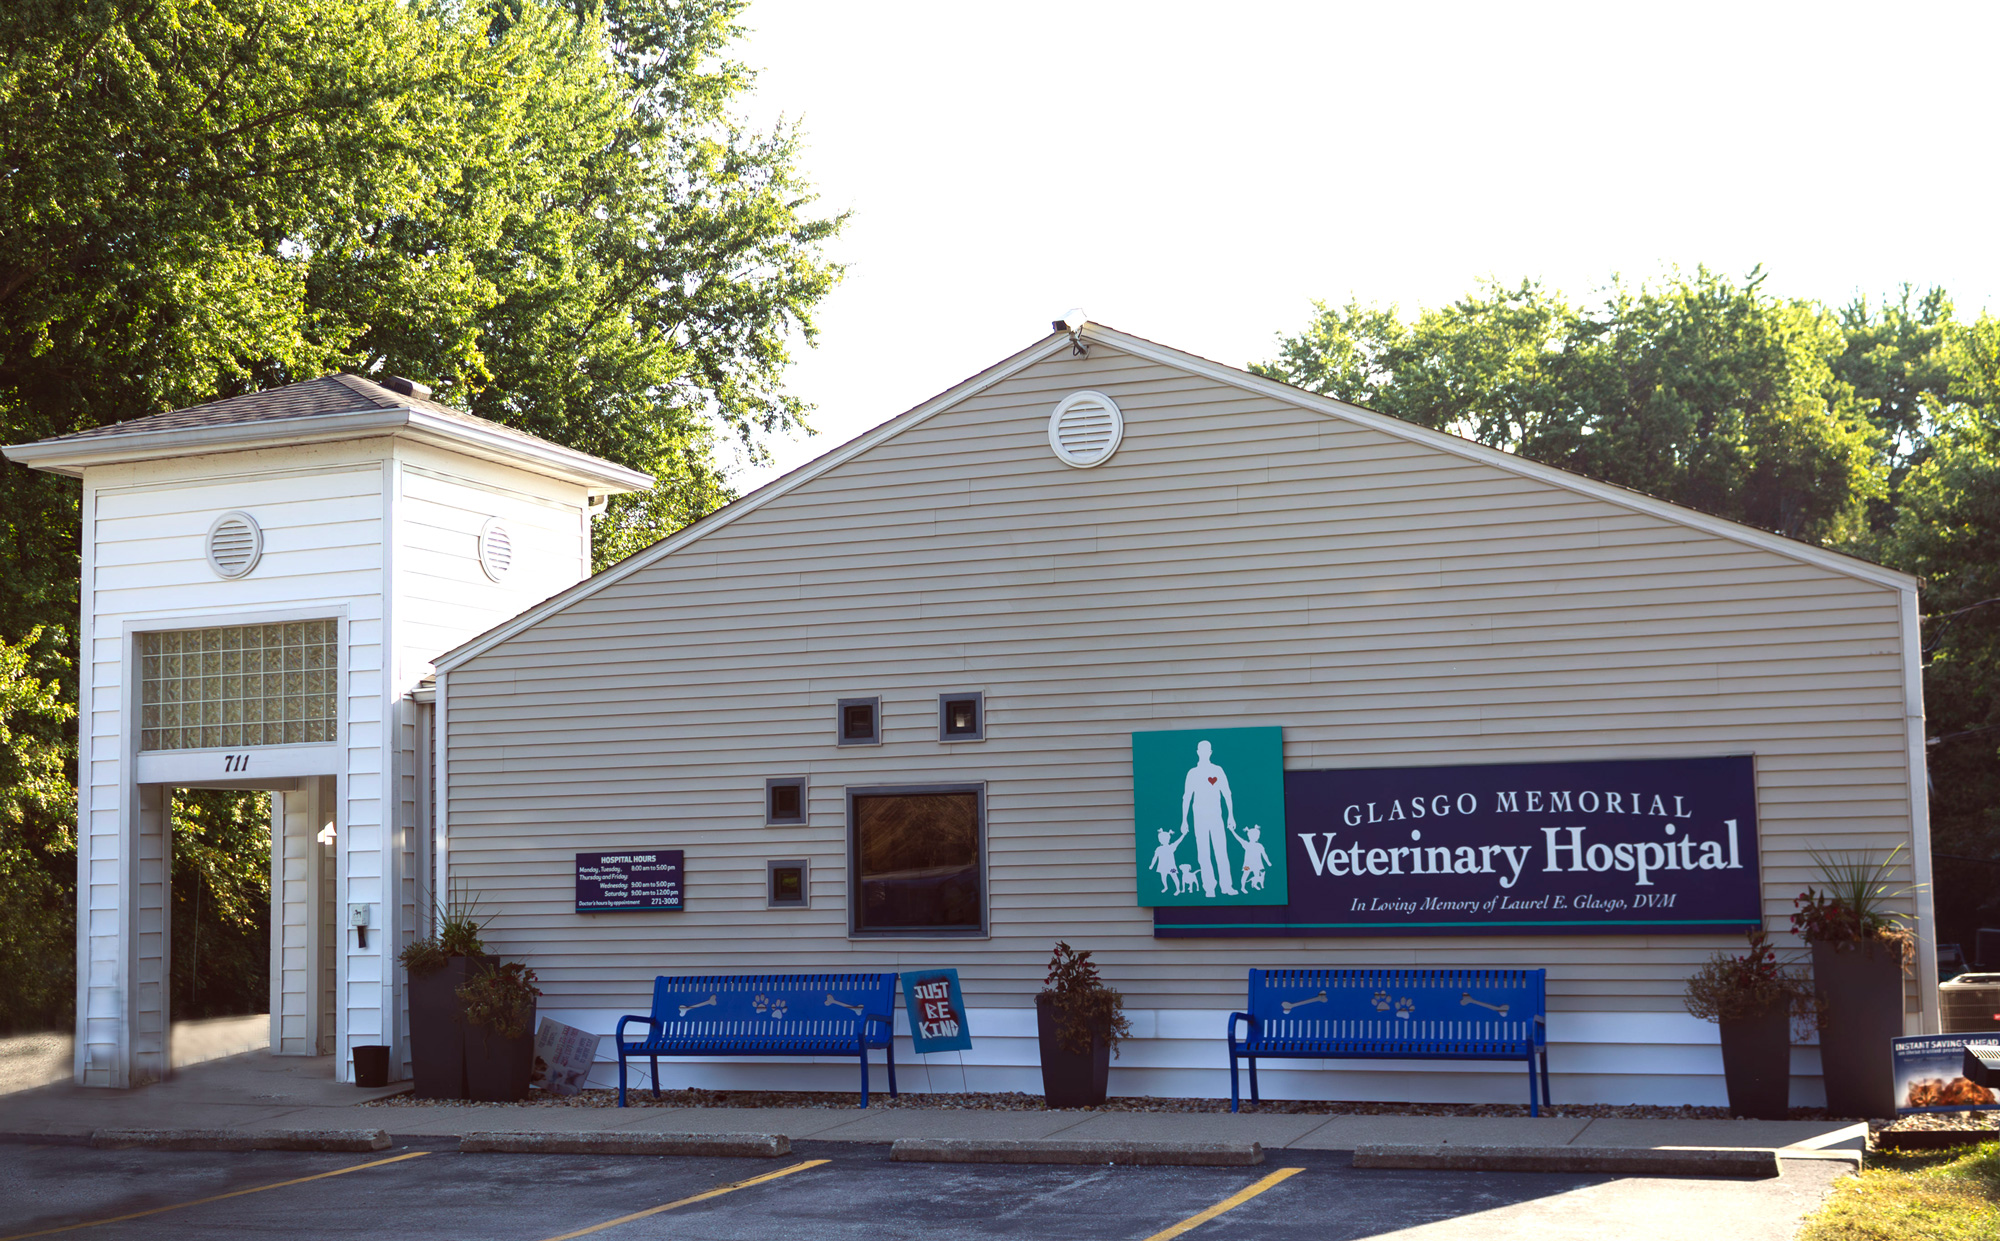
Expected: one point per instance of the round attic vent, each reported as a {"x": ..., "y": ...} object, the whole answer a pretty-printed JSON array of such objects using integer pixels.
[
  {"x": 1086, "y": 429},
  {"x": 235, "y": 544},
  {"x": 496, "y": 549}
]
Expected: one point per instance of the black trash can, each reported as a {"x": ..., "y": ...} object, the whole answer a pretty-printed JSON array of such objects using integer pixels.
[{"x": 371, "y": 1066}]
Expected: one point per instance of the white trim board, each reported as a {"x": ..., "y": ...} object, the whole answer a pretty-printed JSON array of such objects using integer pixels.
[
  {"x": 73, "y": 456},
  {"x": 1168, "y": 356}
]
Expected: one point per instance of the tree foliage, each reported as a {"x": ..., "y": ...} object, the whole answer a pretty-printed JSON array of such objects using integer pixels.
[
  {"x": 542, "y": 209},
  {"x": 1694, "y": 388},
  {"x": 37, "y": 838},
  {"x": 1946, "y": 529}
]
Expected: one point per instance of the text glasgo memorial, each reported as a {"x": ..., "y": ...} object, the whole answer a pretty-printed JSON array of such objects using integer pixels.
[{"x": 1639, "y": 846}]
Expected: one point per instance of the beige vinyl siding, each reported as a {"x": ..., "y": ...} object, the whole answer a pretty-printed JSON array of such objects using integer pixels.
[{"x": 1241, "y": 560}]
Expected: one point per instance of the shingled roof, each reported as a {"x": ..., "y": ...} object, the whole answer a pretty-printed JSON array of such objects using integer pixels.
[
  {"x": 347, "y": 405},
  {"x": 329, "y": 394}
]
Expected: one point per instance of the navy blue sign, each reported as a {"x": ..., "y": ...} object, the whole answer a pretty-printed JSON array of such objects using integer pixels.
[
  {"x": 634, "y": 880},
  {"x": 937, "y": 1012},
  {"x": 1636, "y": 846}
]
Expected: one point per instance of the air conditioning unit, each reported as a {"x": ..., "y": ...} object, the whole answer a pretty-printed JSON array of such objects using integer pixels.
[{"x": 1970, "y": 1004}]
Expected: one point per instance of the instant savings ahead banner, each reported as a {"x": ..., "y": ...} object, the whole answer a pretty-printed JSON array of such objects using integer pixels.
[{"x": 1640, "y": 846}]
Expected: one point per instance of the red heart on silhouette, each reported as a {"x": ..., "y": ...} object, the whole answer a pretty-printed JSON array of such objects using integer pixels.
[{"x": 1211, "y": 779}]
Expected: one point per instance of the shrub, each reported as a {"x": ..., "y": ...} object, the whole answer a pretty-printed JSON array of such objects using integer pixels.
[
  {"x": 1081, "y": 1003},
  {"x": 501, "y": 998},
  {"x": 1854, "y": 908},
  {"x": 1728, "y": 988}
]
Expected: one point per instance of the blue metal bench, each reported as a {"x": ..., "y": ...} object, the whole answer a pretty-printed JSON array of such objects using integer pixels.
[
  {"x": 1394, "y": 1015},
  {"x": 766, "y": 1015}
]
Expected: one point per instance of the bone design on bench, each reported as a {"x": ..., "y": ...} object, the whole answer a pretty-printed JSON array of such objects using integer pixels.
[
  {"x": 1394, "y": 1015},
  {"x": 766, "y": 1015}
]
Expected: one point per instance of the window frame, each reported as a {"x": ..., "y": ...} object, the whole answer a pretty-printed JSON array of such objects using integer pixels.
[
  {"x": 802, "y": 784},
  {"x": 978, "y": 700},
  {"x": 874, "y": 706},
  {"x": 852, "y": 832},
  {"x": 771, "y": 867}
]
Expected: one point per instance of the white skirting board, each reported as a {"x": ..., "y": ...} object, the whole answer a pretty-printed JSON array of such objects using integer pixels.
[{"x": 1655, "y": 1058}]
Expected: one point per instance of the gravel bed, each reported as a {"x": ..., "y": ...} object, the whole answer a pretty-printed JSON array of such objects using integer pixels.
[
  {"x": 1939, "y": 1120},
  {"x": 1011, "y": 1101}
]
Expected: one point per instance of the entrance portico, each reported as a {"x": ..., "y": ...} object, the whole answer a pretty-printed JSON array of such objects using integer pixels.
[{"x": 265, "y": 581}]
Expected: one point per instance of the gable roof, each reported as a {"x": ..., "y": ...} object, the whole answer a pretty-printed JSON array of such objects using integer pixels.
[
  {"x": 1166, "y": 355},
  {"x": 331, "y": 407}
]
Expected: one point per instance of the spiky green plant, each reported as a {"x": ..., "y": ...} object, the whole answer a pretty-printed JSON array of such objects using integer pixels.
[
  {"x": 455, "y": 924},
  {"x": 1854, "y": 907}
]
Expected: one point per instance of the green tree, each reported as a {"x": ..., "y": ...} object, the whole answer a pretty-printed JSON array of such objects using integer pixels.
[
  {"x": 37, "y": 838},
  {"x": 221, "y": 903},
  {"x": 1946, "y": 530},
  {"x": 1693, "y": 388},
  {"x": 542, "y": 209}
]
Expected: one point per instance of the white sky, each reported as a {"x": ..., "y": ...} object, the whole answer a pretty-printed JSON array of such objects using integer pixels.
[{"x": 1199, "y": 174}]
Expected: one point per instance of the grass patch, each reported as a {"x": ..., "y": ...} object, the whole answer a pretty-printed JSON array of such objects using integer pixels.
[{"x": 1951, "y": 1195}]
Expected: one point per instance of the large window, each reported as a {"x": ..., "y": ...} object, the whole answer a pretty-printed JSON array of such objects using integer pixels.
[
  {"x": 917, "y": 860},
  {"x": 237, "y": 685}
]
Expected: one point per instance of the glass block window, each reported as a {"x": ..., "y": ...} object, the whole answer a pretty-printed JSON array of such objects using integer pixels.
[{"x": 239, "y": 685}]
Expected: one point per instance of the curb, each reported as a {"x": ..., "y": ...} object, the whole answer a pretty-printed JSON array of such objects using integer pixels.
[
  {"x": 241, "y": 1140},
  {"x": 1630, "y": 1161},
  {"x": 1056, "y": 1150},
  {"x": 44, "y": 1139},
  {"x": 744, "y": 1145}
]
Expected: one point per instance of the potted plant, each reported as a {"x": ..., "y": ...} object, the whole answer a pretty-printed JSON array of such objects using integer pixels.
[
  {"x": 1080, "y": 1022},
  {"x": 500, "y": 1032},
  {"x": 1750, "y": 998},
  {"x": 1860, "y": 952},
  {"x": 438, "y": 965}
]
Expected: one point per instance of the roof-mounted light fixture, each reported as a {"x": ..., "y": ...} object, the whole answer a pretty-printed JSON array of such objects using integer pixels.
[{"x": 1072, "y": 321}]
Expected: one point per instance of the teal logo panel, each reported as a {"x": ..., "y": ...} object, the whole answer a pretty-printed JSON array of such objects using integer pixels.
[{"x": 1208, "y": 806}]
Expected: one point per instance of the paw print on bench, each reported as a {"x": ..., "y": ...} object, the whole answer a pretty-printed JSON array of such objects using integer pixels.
[
  {"x": 774, "y": 1009},
  {"x": 760, "y": 1002},
  {"x": 777, "y": 1010},
  {"x": 1404, "y": 1007},
  {"x": 1381, "y": 1001}
]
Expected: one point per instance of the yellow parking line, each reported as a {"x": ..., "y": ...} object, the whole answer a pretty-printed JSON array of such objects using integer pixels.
[
  {"x": 236, "y": 1193},
  {"x": 1230, "y": 1203},
  {"x": 717, "y": 1192}
]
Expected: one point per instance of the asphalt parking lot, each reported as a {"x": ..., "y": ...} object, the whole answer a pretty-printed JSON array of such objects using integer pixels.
[{"x": 828, "y": 1190}]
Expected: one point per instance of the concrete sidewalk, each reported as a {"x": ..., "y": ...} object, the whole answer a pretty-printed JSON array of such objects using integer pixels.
[
  {"x": 261, "y": 1091},
  {"x": 31, "y": 1060}
]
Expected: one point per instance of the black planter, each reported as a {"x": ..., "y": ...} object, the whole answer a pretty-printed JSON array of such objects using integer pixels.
[
  {"x": 1071, "y": 1079},
  {"x": 497, "y": 1069},
  {"x": 437, "y": 1029},
  {"x": 371, "y": 1066},
  {"x": 1861, "y": 986},
  {"x": 1757, "y": 1063}
]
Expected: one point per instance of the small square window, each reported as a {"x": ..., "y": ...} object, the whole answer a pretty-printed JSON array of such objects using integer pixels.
[
  {"x": 785, "y": 800},
  {"x": 860, "y": 721},
  {"x": 961, "y": 717},
  {"x": 785, "y": 886}
]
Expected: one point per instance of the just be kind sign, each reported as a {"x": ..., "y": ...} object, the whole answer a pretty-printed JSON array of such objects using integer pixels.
[{"x": 1640, "y": 846}]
